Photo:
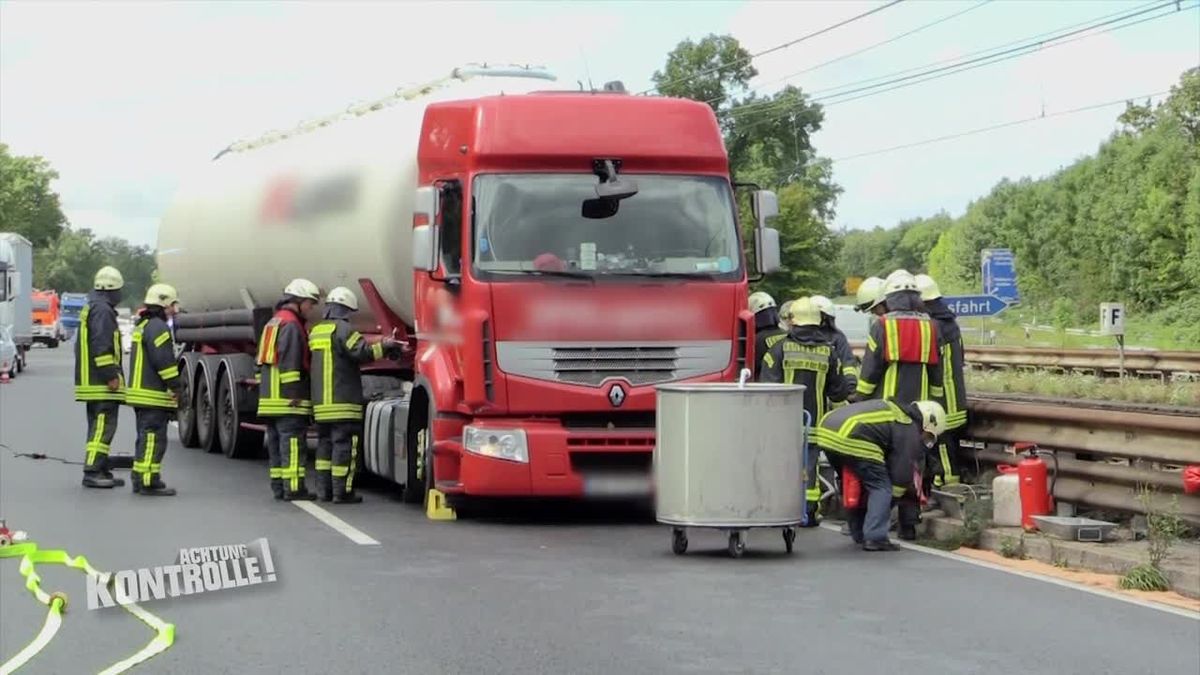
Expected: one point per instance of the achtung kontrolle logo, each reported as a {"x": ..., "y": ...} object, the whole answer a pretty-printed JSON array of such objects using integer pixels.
[{"x": 196, "y": 570}]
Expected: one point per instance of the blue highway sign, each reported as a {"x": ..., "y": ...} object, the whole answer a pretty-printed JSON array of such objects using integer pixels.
[
  {"x": 975, "y": 305},
  {"x": 1000, "y": 274}
]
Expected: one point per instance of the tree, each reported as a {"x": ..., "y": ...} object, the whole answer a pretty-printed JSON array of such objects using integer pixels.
[
  {"x": 68, "y": 263},
  {"x": 709, "y": 71},
  {"x": 808, "y": 249},
  {"x": 27, "y": 204}
]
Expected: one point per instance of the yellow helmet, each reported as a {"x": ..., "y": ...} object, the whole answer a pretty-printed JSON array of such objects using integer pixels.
[
  {"x": 870, "y": 293},
  {"x": 933, "y": 417},
  {"x": 928, "y": 287},
  {"x": 108, "y": 278},
  {"x": 785, "y": 321},
  {"x": 163, "y": 295},
  {"x": 760, "y": 301},
  {"x": 342, "y": 296},
  {"x": 304, "y": 289},
  {"x": 804, "y": 312},
  {"x": 824, "y": 304}
]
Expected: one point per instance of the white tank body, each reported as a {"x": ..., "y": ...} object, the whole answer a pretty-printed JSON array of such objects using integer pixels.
[{"x": 354, "y": 182}]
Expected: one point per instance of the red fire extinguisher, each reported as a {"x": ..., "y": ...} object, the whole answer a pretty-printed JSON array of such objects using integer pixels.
[
  {"x": 851, "y": 489},
  {"x": 1035, "y": 495}
]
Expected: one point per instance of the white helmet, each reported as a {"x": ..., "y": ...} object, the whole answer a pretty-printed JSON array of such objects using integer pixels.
[
  {"x": 760, "y": 301},
  {"x": 870, "y": 293},
  {"x": 933, "y": 417},
  {"x": 108, "y": 278},
  {"x": 928, "y": 287},
  {"x": 898, "y": 281},
  {"x": 342, "y": 296},
  {"x": 785, "y": 320},
  {"x": 163, "y": 295},
  {"x": 303, "y": 289},
  {"x": 804, "y": 312},
  {"x": 824, "y": 304}
]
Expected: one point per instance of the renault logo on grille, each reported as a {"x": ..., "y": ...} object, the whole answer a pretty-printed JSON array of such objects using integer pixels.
[{"x": 616, "y": 395}]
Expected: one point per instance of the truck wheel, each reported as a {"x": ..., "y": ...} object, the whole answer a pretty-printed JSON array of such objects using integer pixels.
[
  {"x": 206, "y": 418},
  {"x": 236, "y": 442},
  {"x": 53, "y": 343},
  {"x": 186, "y": 414},
  {"x": 419, "y": 472}
]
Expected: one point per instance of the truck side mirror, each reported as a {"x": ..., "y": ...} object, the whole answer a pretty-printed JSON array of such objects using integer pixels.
[
  {"x": 424, "y": 240},
  {"x": 768, "y": 256},
  {"x": 764, "y": 204}
]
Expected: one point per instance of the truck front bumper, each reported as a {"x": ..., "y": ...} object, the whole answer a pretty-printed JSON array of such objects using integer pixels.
[{"x": 563, "y": 462}]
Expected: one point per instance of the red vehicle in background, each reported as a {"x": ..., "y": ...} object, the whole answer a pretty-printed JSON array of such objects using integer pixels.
[{"x": 47, "y": 319}]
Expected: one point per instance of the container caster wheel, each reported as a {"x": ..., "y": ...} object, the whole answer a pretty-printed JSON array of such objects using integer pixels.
[
  {"x": 679, "y": 541},
  {"x": 737, "y": 545},
  {"x": 789, "y": 538}
]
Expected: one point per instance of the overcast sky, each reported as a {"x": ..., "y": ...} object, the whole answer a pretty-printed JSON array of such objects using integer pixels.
[{"x": 122, "y": 98}]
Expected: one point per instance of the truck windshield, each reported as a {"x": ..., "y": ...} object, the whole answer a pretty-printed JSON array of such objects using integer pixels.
[{"x": 674, "y": 226}]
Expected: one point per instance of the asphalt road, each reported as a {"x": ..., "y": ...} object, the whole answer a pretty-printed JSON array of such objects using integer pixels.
[{"x": 577, "y": 591}]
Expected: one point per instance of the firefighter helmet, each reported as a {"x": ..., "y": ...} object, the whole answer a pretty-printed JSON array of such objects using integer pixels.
[
  {"x": 824, "y": 304},
  {"x": 933, "y": 417},
  {"x": 870, "y": 293},
  {"x": 804, "y": 312},
  {"x": 785, "y": 320},
  {"x": 303, "y": 289},
  {"x": 108, "y": 278},
  {"x": 928, "y": 287},
  {"x": 760, "y": 301},
  {"x": 899, "y": 281},
  {"x": 342, "y": 296},
  {"x": 162, "y": 295}
]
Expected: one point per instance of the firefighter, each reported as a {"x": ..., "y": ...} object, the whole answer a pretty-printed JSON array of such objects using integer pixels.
[
  {"x": 846, "y": 358},
  {"x": 870, "y": 296},
  {"x": 784, "y": 324},
  {"x": 809, "y": 357},
  {"x": 337, "y": 394},
  {"x": 98, "y": 380},
  {"x": 954, "y": 399},
  {"x": 767, "y": 330},
  {"x": 901, "y": 364},
  {"x": 153, "y": 390},
  {"x": 883, "y": 442},
  {"x": 283, "y": 394}
]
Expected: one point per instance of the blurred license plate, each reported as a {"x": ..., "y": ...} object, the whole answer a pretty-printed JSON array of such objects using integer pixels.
[{"x": 617, "y": 485}]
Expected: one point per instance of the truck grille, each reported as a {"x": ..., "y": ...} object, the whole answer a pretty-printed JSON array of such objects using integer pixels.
[
  {"x": 591, "y": 364},
  {"x": 594, "y": 365}
]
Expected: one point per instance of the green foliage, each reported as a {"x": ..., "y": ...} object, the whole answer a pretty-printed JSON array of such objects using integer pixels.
[
  {"x": 1013, "y": 548},
  {"x": 769, "y": 141},
  {"x": 1084, "y": 387},
  {"x": 1164, "y": 526},
  {"x": 1123, "y": 225},
  {"x": 69, "y": 262},
  {"x": 907, "y": 246},
  {"x": 1145, "y": 577},
  {"x": 27, "y": 204}
]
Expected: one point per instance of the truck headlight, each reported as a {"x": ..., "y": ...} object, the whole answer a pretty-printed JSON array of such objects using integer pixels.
[{"x": 509, "y": 444}]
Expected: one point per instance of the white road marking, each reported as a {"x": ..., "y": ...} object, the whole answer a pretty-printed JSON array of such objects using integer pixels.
[
  {"x": 1178, "y": 611},
  {"x": 352, "y": 533}
]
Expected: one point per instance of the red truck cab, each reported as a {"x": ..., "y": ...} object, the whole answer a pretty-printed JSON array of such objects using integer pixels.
[{"x": 47, "y": 319}]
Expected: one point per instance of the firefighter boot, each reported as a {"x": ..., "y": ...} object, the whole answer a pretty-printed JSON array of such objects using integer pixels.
[
  {"x": 341, "y": 495},
  {"x": 324, "y": 485},
  {"x": 97, "y": 480},
  {"x": 157, "y": 489}
]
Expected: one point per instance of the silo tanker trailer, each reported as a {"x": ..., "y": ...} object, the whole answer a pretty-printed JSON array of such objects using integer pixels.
[{"x": 547, "y": 258}]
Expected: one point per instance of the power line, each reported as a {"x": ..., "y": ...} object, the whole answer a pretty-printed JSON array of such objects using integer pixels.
[
  {"x": 884, "y": 86},
  {"x": 868, "y": 48},
  {"x": 776, "y": 48},
  {"x": 996, "y": 127}
]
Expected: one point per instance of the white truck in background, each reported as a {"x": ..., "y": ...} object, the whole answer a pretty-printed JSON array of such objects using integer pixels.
[{"x": 16, "y": 295}]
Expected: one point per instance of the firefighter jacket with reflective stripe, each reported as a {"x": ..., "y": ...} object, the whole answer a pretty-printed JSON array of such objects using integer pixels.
[
  {"x": 153, "y": 372},
  {"x": 764, "y": 339},
  {"x": 954, "y": 385},
  {"x": 98, "y": 351},
  {"x": 901, "y": 361},
  {"x": 283, "y": 367},
  {"x": 846, "y": 357},
  {"x": 337, "y": 351},
  {"x": 806, "y": 356},
  {"x": 878, "y": 431}
]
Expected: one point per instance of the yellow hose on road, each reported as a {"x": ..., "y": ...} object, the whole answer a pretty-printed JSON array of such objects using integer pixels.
[{"x": 31, "y": 556}]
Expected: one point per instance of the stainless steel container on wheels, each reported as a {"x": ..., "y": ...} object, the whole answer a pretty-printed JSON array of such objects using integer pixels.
[{"x": 730, "y": 456}]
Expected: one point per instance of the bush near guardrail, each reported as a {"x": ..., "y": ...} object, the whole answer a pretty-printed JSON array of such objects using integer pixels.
[{"x": 1104, "y": 451}]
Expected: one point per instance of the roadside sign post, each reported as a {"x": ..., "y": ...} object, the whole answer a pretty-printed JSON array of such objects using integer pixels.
[
  {"x": 1112, "y": 322},
  {"x": 998, "y": 271}
]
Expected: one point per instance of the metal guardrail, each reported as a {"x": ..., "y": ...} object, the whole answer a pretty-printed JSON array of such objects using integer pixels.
[
  {"x": 1105, "y": 452},
  {"x": 1099, "y": 361}
]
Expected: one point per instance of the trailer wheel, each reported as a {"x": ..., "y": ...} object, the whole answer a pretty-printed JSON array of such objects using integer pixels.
[
  {"x": 235, "y": 442},
  {"x": 206, "y": 418},
  {"x": 185, "y": 415},
  {"x": 53, "y": 343},
  {"x": 737, "y": 545}
]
